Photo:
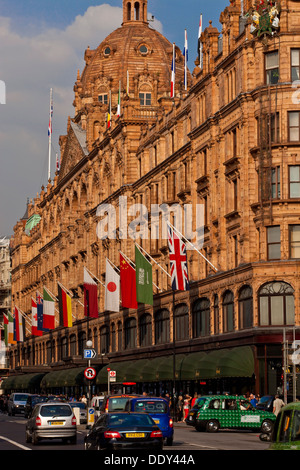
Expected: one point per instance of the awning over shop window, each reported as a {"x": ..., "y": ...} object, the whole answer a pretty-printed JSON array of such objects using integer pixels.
[
  {"x": 63, "y": 378},
  {"x": 22, "y": 382},
  {"x": 236, "y": 362}
]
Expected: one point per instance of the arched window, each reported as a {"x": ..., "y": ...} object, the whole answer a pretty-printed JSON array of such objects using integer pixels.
[
  {"x": 104, "y": 340},
  {"x": 81, "y": 342},
  {"x": 201, "y": 318},
  {"x": 162, "y": 326},
  {"x": 73, "y": 351},
  {"x": 228, "y": 312},
  {"x": 216, "y": 315},
  {"x": 137, "y": 11},
  {"x": 64, "y": 347},
  {"x": 130, "y": 333},
  {"x": 145, "y": 330},
  {"x": 276, "y": 304},
  {"x": 181, "y": 322},
  {"x": 120, "y": 342},
  {"x": 245, "y": 307},
  {"x": 128, "y": 11},
  {"x": 113, "y": 337}
]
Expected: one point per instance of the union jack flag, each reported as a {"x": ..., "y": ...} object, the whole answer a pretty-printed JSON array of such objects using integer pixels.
[{"x": 178, "y": 261}]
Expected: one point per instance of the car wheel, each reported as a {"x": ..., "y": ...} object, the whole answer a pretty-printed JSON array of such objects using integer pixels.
[
  {"x": 35, "y": 439},
  {"x": 267, "y": 426},
  {"x": 212, "y": 425},
  {"x": 27, "y": 437}
]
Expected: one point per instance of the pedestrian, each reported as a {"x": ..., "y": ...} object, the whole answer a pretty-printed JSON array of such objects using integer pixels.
[
  {"x": 186, "y": 406},
  {"x": 253, "y": 400},
  {"x": 277, "y": 405},
  {"x": 194, "y": 399},
  {"x": 179, "y": 409}
]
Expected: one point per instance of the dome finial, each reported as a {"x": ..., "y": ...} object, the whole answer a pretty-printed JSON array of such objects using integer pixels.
[{"x": 135, "y": 11}]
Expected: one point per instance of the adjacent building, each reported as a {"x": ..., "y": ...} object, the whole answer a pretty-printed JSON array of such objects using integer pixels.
[{"x": 229, "y": 143}]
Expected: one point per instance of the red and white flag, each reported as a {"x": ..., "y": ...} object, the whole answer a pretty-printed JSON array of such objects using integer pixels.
[
  {"x": 34, "y": 322},
  {"x": 90, "y": 296},
  {"x": 112, "y": 289}
]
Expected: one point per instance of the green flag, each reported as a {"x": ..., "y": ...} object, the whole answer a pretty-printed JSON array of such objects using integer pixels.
[{"x": 144, "y": 290}]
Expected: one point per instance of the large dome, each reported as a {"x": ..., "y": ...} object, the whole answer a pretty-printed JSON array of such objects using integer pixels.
[{"x": 134, "y": 56}]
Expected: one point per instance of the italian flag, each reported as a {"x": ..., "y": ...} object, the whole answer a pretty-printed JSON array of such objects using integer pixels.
[{"x": 49, "y": 311}]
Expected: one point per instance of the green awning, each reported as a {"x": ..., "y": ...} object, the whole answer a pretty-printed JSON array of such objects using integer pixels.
[
  {"x": 119, "y": 367},
  {"x": 64, "y": 378},
  {"x": 237, "y": 362},
  {"x": 165, "y": 370},
  {"x": 191, "y": 366},
  {"x": 31, "y": 223},
  {"x": 22, "y": 382}
]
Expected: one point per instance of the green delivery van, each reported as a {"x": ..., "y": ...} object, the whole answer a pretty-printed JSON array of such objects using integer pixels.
[{"x": 230, "y": 411}]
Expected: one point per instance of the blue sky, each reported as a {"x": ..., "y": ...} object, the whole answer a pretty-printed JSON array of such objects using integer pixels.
[{"x": 42, "y": 45}]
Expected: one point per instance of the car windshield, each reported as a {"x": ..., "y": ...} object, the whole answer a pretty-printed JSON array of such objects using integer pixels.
[
  {"x": 129, "y": 420},
  {"x": 36, "y": 400},
  {"x": 151, "y": 406},
  {"x": 264, "y": 400},
  {"x": 20, "y": 397},
  {"x": 55, "y": 410},
  {"x": 78, "y": 404},
  {"x": 117, "y": 404}
]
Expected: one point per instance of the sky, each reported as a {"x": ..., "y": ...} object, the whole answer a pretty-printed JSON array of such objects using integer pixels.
[{"x": 42, "y": 46}]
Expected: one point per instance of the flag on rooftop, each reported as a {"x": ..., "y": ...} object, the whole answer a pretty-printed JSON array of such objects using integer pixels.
[
  {"x": 186, "y": 58},
  {"x": 173, "y": 72}
]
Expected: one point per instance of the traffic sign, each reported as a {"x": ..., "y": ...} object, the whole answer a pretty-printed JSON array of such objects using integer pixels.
[
  {"x": 89, "y": 354},
  {"x": 90, "y": 373},
  {"x": 112, "y": 376}
]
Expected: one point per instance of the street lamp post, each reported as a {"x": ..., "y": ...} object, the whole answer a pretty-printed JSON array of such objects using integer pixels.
[{"x": 89, "y": 345}]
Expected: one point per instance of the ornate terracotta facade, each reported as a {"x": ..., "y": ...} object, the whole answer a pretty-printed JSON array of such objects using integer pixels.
[{"x": 231, "y": 143}]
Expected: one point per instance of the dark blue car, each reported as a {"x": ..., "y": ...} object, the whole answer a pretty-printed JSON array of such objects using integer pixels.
[{"x": 159, "y": 410}]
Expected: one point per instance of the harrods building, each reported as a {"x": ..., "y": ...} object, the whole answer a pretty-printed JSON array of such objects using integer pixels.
[{"x": 229, "y": 142}]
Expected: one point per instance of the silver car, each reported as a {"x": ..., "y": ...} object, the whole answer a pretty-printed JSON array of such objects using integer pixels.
[{"x": 51, "y": 420}]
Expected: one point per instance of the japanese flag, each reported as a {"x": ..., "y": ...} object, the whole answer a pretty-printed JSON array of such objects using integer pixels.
[{"x": 112, "y": 289}]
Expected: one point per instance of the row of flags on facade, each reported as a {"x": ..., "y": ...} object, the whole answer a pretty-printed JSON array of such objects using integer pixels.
[{"x": 125, "y": 287}]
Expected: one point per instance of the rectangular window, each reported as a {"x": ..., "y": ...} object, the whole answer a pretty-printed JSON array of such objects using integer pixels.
[
  {"x": 294, "y": 241},
  {"x": 103, "y": 98},
  {"x": 294, "y": 126},
  {"x": 295, "y": 64},
  {"x": 145, "y": 99},
  {"x": 273, "y": 242},
  {"x": 294, "y": 181},
  {"x": 272, "y": 68},
  {"x": 276, "y": 182}
]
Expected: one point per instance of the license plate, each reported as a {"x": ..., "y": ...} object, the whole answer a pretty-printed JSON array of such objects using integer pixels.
[
  {"x": 135, "y": 434},
  {"x": 56, "y": 423}
]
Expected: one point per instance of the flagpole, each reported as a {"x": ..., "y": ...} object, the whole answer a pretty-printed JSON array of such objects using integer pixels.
[
  {"x": 185, "y": 59},
  {"x": 71, "y": 295},
  {"x": 193, "y": 246},
  {"x": 50, "y": 134},
  {"x": 141, "y": 248},
  {"x": 200, "y": 45}
]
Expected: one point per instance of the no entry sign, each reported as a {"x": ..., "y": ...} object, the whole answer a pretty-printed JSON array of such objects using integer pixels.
[{"x": 90, "y": 373}]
